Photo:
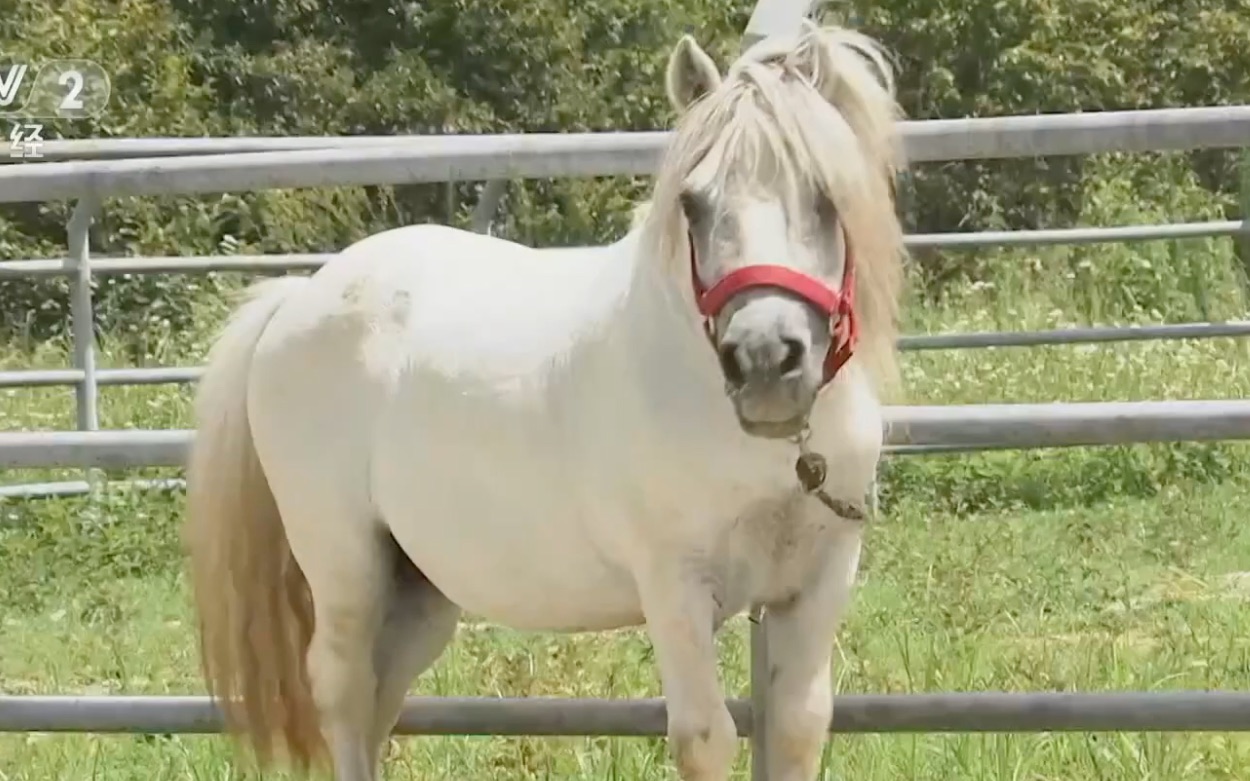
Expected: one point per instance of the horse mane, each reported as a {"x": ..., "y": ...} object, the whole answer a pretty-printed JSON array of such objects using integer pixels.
[{"x": 770, "y": 99}]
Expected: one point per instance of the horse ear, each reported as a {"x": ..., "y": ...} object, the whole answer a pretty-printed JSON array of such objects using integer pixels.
[
  {"x": 820, "y": 63},
  {"x": 691, "y": 74},
  {"x": 816, "y": 62}
]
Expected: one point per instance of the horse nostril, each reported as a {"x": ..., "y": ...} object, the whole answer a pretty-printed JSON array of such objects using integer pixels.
[
  {"x": 728, "y": 355},
  {"x": 794, "y": 356}
]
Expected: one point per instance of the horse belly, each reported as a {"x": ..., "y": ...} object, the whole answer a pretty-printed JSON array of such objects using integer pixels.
[
  {"x": 485, "y": 512},
  {"x": 511, "y": 566}
]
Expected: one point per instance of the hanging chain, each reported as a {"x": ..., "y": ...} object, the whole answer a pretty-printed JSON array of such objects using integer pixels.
[{"x": 812, "y": 469}]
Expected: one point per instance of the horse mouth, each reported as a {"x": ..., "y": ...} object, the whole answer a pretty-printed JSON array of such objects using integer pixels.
[{"x": 773, "y": 429}]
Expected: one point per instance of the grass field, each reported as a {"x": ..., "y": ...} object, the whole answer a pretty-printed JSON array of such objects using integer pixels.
[{"x": 1077, "y": 570}]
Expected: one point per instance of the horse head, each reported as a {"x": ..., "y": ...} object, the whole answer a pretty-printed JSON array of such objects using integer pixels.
[{"x": 776, "y": 211}]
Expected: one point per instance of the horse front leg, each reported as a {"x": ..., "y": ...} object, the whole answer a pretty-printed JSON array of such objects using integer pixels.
[
  {"x": 799, "y": 701},
  {"x": 679, "y": 612}
]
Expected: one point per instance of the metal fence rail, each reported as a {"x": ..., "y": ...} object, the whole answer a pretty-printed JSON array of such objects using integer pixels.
[
  {"x": 203, "y": 264},
  {"x": 932, "y": 140},
  {"x": 68, "y": 488},
  {"x": 41, "y": 378},
  {"x": 913, "y": 429},
  {"x": 1190, "y": 711},
  {"x": 542, "y": 155}
]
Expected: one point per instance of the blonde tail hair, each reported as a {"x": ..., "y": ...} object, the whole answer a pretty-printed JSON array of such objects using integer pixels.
[{"x": 253, "y": 607}]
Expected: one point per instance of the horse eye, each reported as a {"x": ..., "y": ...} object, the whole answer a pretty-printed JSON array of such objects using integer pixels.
[
  {"x": 691, "y": 205},
  {"x": 825, "y": 208}
]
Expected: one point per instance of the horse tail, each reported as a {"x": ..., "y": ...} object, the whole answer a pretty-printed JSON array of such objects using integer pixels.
[{"x": 253, "y": 606}]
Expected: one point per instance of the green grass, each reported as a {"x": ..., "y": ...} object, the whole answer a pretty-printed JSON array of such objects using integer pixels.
[
  {"x": 1079, "y": 570},
  {"x": 1132, "y": 594}
]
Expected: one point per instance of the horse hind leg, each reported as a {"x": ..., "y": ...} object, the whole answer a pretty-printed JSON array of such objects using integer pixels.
[
  {"x": 378, "y": 622},
  {"x": 347, "y": 568},
  {"x": 419, "y": 623}
]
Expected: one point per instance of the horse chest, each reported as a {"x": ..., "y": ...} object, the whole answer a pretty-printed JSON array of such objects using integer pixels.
[{"x": 770, "y": 551}]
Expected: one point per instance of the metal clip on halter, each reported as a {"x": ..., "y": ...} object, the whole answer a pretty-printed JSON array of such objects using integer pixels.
[{"x": 812, "y": 469}]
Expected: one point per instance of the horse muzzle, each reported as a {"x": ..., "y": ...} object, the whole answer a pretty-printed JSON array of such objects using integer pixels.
[{"x": 770, "y": 379}]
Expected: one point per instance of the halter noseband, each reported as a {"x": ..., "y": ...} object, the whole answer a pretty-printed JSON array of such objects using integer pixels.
[{"x": 839, "y": 307}]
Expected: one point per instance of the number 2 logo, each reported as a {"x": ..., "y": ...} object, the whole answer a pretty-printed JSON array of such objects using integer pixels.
[
  {"x": 61, "y": 89},
  {"x": 73, "y": 79}
]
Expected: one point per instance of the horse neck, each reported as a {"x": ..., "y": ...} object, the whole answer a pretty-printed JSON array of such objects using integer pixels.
[
  {"x": 667, "y": 350},
  {"x": 648, "y": 355},
  {"x": 641, "y": 401}
]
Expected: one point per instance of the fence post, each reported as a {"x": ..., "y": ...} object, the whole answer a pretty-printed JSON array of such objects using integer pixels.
[
  {"x": 488, "y": 205},
  {"x": 759, "y": 693},
  {"x": 773, "y": 17},
  {"x": 82, "y": 315},
  {"x": 1243, "y": 193},
  {"x": 450, "y": 201}
]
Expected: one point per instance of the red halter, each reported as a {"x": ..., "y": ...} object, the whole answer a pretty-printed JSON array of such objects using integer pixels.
[{"x": 839, "y": 307}]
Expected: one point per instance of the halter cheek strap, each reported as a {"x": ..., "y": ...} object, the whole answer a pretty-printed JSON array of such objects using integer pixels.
[{"x": 838, "y": 307}]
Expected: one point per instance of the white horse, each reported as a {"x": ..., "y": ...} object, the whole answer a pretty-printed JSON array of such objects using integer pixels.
[{"x": 569, "y": 440}]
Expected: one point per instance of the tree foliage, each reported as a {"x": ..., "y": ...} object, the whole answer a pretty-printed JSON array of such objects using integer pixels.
[{"x": 314, "y": 67}]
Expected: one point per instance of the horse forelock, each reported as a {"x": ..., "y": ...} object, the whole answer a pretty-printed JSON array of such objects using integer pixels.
[{"x": 773, "y": 108}]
